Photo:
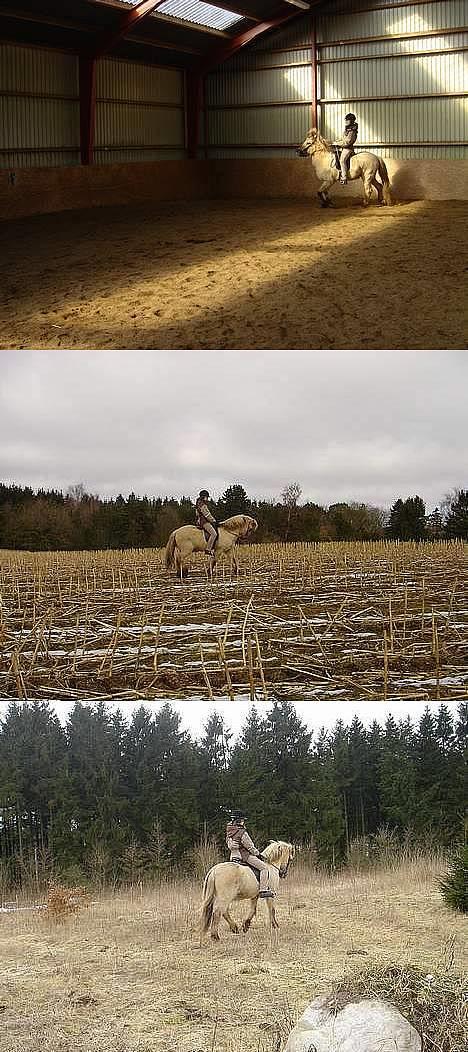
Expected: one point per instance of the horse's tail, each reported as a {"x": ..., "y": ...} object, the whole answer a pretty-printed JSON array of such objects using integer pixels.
[
  {"x": 171, "y": 545},
  {"x": 209, "y": 892},
  {"x": 387, "y": 193}
]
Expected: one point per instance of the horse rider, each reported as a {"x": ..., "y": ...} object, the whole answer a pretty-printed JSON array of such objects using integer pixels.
[
  {"x": 346, "y": 144},
  {"x": 243, "y": 849},
  {"x": 206, "y": 521}
]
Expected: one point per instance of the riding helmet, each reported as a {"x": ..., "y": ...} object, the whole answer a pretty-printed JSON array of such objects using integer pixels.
[
  {"x": 236, "y": 815},
  {"x": 204, "y": 493},
  {"x": 350, "y": 117}
]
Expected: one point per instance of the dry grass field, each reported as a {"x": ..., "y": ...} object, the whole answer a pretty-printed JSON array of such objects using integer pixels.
[
  {"x": 131, "y": 974},
  {"x": 375, "y": 620}
]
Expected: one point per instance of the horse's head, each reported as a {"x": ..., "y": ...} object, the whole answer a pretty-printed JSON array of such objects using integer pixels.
[
  {"x": 241, "y": 525},
  {"x": 280, "y": 854},
  {"x": 309, "y": 144},
  {"x": 250, "y": 525}
]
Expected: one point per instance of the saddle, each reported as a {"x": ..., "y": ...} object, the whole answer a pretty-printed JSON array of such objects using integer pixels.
[
  {"x": 337, "y": 151},
  {"x": 256, "y": 872}
]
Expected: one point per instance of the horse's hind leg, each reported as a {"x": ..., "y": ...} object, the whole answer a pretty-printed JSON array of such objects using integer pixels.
[
  {"x": 368, "y": 179},
  {"x": 378, "y": 187},
  {"x": 250, "y": 915},
  {"x": 232, "y": 924},
  {"x": 181, "y": 565},
  {"x": 215, "y": 919}
]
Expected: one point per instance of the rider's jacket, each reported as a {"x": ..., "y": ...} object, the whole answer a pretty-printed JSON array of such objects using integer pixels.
[
  {"x": 350, "y": 135},
  {"x": 239, "y": 843},
  {"x": 203, "y": 512}
]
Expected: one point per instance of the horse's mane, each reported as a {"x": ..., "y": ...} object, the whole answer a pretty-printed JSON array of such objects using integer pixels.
[
  {"x": 235, "y": 523},
  {"x": 234, "y": 520},
  {"x": 274, "y": 850},
  {"x": 323, "y": 143}
]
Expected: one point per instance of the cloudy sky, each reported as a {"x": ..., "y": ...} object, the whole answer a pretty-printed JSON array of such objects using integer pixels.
[{"x": 367, "y": 426}]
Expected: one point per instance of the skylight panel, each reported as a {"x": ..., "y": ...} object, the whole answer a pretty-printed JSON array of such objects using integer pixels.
[{"x": 199, "y": 13}]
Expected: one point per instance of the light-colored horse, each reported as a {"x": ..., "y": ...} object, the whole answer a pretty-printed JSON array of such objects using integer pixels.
[
  {"x": 229, "y": 882},
  {"x": 365, "y": 166},
  {"x": 186, "y": 540}
]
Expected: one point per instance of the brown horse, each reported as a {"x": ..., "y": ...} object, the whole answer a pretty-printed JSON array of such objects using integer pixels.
[
  {"x": 228, "y": 882},
  {"x": 186, "y": 540}
]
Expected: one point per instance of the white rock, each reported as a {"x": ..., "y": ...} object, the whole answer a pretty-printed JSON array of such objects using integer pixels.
[{"x": 368, "y": 1026}]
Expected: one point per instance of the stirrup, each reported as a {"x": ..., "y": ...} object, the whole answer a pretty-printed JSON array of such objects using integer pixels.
[{"x": 266, "y": 894}]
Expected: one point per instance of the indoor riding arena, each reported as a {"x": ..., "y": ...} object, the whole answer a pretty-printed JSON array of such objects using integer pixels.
[{"x": 152, "y": 194}]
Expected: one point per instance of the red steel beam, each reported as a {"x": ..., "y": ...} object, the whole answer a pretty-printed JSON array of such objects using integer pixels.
[
  {"x": 106, "y": 41},
  {"x": 227, "y": 50},
  {"x": 87, "y": 81},
  {"x": 195, "y": 78},
  {"x": 101, "y": 45}
]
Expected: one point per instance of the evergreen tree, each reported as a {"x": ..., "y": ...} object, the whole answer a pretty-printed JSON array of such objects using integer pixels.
[
  {"x": 329, "y": 824},
  {"x": 289, "y": 811},
  {"x": 454, "y": 886},
  {"x": 214, "y": 756},
  {"x": 408, "y": 520},
  {"x": 397, "y": 777},
  {"x": 456, "y": 523},
  {"x": 234, "y": 501}
]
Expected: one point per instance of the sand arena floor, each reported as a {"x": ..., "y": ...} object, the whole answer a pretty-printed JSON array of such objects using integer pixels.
[{"x": 246, "y": 274}]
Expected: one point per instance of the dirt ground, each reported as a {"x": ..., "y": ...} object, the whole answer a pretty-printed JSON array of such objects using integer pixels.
[
  {"x": 131, "y": 974},
  {"x": 237, "y": 275}
]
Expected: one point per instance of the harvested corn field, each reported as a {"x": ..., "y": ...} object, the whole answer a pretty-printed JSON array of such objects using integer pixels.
[{"x": 359, "y": 620}]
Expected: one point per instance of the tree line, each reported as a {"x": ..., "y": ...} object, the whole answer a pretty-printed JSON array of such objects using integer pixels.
[
  {"x": 105, "y": 799},
  {"x": 49, "y": 520}
]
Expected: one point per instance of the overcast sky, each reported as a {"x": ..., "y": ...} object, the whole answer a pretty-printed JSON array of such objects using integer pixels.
[
  {"x": 316, "y": 714},
  {"x": 366, "y": 426}
]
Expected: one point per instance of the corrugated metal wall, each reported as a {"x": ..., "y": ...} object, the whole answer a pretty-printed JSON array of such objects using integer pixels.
[
  {"x": 258, "y": 103},
  {"x": 139, "y": 112},
  {"x": 401, "y": 67},
  {"x": 39, "y": 108}
]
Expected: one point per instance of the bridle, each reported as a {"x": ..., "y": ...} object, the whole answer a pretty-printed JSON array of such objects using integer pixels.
[{"x": 282, "y": 869}]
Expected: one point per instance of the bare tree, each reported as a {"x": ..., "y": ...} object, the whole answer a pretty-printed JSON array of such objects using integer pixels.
[{"x": 290, "y": 497}]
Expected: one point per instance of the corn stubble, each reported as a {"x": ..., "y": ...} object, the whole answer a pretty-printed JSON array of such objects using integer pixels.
[{"x": 368, "y": 620}]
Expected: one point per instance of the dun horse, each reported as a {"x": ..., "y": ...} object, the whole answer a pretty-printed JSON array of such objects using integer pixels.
[
  {"x": 186, "y": 540},
  {"x": 230, "y": 882},
  {"x": 365, "y": 166}
]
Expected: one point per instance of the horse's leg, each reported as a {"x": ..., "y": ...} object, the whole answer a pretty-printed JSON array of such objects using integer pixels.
[
  {"x": 272, "y": 912},
  {"x": 378, "y": 187},
  {"x": 232, "y": 924},
  {"x": 367, "y": 180},
  {"x": 250, "y": 916},
  {"x": 215, "y": 919},
  {"x": 323, "y": 190}
]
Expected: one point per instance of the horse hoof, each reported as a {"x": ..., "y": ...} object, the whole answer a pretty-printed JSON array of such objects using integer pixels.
[{"x": 215, "y": 936}]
